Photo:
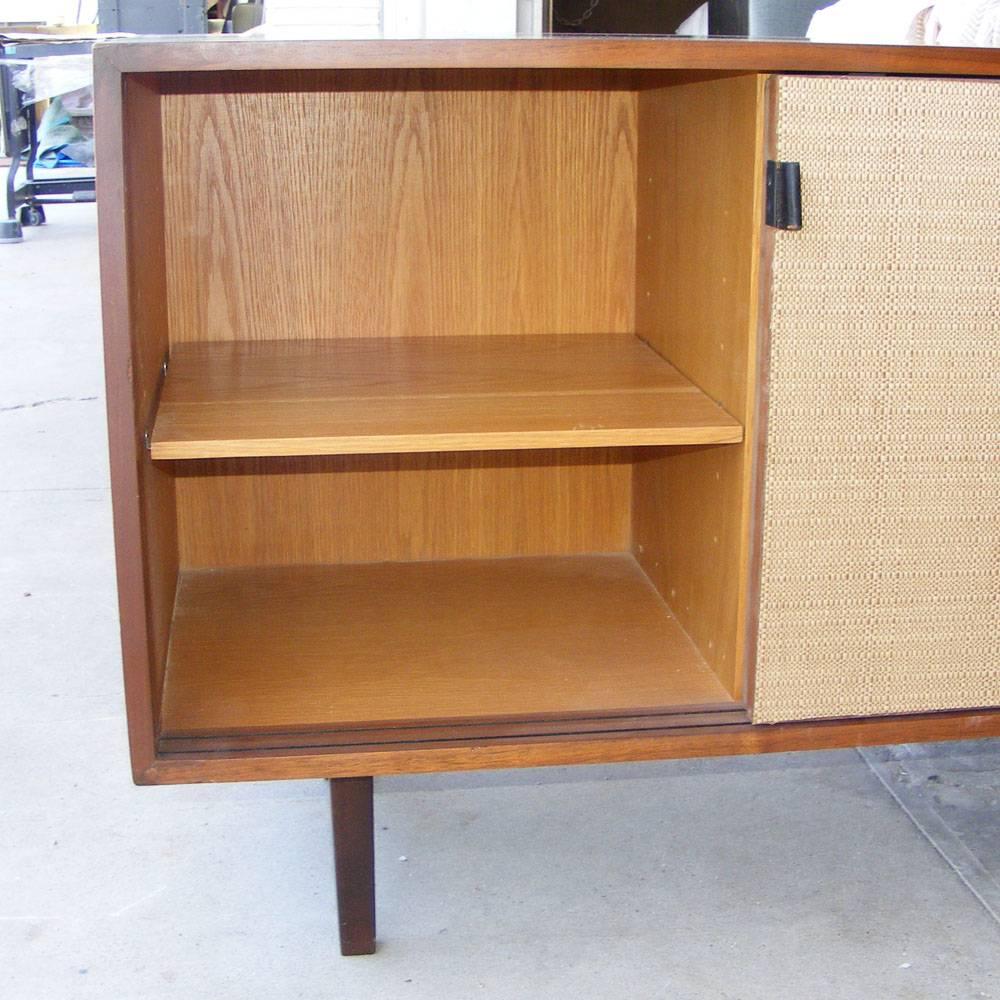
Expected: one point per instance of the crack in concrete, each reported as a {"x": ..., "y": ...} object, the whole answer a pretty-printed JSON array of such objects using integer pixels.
[
  {"x": 939, "y": 833},
  {"x": 46, "y": 402}
]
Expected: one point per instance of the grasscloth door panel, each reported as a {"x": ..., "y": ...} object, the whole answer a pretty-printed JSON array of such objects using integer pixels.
[{"x": 880, "y": 568}]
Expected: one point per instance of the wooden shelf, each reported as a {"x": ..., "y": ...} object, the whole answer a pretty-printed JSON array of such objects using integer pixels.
[
  {"x": 425, "y": 394},
  {"x": 308, "y": 648}
]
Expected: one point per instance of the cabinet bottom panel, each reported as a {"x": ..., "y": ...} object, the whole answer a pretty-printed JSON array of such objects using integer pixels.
[{"x": 270, "y": 655}]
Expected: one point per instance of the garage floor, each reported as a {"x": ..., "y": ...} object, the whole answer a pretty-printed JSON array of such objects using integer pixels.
[{"x": 814, "y": 876}]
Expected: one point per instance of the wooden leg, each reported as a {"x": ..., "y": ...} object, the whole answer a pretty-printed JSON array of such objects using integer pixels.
[{"x": 354, "y": 863}]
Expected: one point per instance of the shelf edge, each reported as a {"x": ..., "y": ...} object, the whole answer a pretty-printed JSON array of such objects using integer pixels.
[{"x": 171, "y": 450}]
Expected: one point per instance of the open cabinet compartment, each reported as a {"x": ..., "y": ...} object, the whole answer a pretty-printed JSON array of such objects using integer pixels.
[{"x": 445, "y": 379}]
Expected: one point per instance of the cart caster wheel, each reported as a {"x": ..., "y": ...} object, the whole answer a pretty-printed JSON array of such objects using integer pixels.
[
  {"x": 10, "y": 231},
  {"x": 32, "y": 215}
]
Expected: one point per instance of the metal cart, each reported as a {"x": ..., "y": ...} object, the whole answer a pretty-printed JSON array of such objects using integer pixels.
[{"x": 27, "y": 196}]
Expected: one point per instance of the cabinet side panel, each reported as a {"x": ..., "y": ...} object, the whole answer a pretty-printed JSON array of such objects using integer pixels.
[
  {"x": 135, "y": 331},
  {"x": 699, "y": 184},
  {"x": 880, "y": 583},
  {"x": 148, "y": 311},
  {"x": 400, "y": 204},
  {"x": 370, "y": 508}
]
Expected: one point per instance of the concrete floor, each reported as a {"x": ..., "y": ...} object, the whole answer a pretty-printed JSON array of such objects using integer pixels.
[{"x": 793, "y": 876}]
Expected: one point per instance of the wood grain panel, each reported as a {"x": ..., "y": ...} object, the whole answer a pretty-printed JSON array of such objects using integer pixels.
[
  {"x": 145, "y": 253},
  {"x": 686, "y": 535},
  {"x": 123, "y": 427},
  {"x": 274, "y": 512},
  {"x": 416, "y": 212},
  {"x": 696, "y": 303},
  {"x": 257, "y": 649},
  {"x": 133, "y": 278},
  {"x": 418, "y": 394}
]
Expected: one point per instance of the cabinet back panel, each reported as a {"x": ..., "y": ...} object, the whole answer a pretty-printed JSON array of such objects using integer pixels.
[
  {"x": 308, "y": 206},
  {"x": 372, "y": 508}
]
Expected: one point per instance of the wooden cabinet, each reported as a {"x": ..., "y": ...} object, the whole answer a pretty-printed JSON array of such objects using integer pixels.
[{"x": 465, "y": 413}]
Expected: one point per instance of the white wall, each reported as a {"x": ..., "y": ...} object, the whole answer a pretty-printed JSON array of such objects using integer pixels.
[
  {"x": 394, "y": 18},
  {"x": 346, "y": 17},
  {"x": 400, "y": 18},
  {"x": 458, "y": 18},
  {"x": 452, "y": 18}
]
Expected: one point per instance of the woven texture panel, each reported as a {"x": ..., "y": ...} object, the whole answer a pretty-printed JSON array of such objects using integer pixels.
[{"x": 880, "y": 586}]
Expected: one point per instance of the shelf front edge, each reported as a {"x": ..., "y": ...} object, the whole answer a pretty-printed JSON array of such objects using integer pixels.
[{"x": 175, "y": 449}]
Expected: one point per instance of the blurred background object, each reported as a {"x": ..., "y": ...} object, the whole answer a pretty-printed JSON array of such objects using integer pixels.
[
  {"x": 948, "y": 22},
  {"x": 915, "y": 22},
  {"x": 46, "y": 110},
  {"x": 887, "y": 22},
  {"x": 244, "y": 16},
  {"x": 753, "y": 18},
  {"x": 153, "y": 17}
]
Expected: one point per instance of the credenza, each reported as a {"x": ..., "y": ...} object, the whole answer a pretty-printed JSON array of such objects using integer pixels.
[{"x": 487, "y": 404}]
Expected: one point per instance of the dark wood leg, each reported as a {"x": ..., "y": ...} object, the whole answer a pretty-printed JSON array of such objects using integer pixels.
[{"x": 354, "y": 863}]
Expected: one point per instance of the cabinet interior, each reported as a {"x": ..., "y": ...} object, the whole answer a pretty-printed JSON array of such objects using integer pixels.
[{"x": 453, "y": 439}]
